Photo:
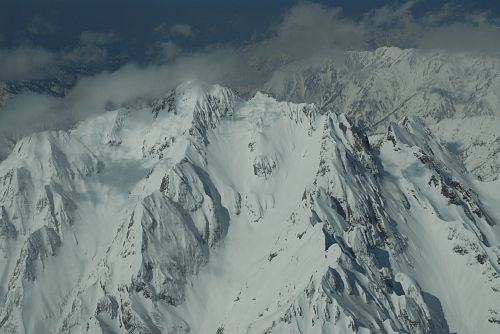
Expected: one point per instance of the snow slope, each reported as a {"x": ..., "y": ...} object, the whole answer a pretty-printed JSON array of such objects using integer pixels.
[
  {"x": 207, "y": 213},
  {"x": 446, "y": 90}
]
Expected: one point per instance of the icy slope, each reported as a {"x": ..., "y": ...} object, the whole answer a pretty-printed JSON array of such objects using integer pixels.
[
  {"x": 210, "y": 214},
  {"x": 380, "y": 86}
]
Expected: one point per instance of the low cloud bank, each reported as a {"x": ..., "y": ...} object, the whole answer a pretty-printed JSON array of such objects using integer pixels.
[{"x": 308, "y": 33}]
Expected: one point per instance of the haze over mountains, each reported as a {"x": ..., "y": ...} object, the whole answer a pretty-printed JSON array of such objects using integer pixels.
[{"x": 334, "y": 176}]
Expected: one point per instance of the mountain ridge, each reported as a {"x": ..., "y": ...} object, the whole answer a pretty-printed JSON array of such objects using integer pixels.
[
  {"x": 206, "y": 213},
  {"x": 376, "y": 87}
]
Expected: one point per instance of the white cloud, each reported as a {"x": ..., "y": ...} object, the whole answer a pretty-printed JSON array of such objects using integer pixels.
[
  {"x": 175, "y": 30},
  {"x": 181, "y": 29},
  {"x": 308, "y": 33},
  {"x": 449, "y": 28},
  {"x": 461, "y": 37},
  {"x": 130, "y": 85},
  {"x": 134, "y": 84},
  {"x": 165, "y": 51},
  {"x": 25, "y": 62},
  {"x": 91, "y": 49},
  {"x": 309, "y": 29},
  {"x": 27, "y": 112},
  {"x": 39, "y": 26}
]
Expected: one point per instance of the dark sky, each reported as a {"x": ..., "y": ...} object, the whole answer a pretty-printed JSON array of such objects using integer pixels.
[
  {"x": 37, "y": 36},
  {"x": 55, "y": 24},
  {"x": 215, "y": 21}
]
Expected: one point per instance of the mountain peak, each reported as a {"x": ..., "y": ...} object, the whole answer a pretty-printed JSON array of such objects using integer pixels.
[{"x": 209, "y": 213}]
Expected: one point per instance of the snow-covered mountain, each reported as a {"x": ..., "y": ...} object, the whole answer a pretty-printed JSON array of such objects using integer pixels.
[
  {"x": 373, "y": 88},
  {"x": 57, "y": 82},
  {"x": 448, "y": 91},
  {"x": 207, "y": 213}
]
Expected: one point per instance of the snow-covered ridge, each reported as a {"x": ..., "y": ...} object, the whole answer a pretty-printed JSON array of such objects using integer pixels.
[
  {"x": 206, "y": 213},
  {"x": 446, "y": 90}
]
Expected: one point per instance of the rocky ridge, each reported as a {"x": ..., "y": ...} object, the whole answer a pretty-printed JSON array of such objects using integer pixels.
[{"x": 206, "y": 213}]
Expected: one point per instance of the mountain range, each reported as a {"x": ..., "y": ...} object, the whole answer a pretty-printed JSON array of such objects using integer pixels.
[{"x": 206, "y": 212}]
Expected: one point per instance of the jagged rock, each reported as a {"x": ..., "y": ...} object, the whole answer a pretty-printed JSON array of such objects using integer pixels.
[
  {"x": 208, "y": 213},
  {"x": 381, "y": 86}
]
